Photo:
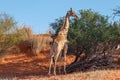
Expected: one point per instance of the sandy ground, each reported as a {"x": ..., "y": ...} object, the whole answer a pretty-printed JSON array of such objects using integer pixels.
[{"x": 22, "y": 67}]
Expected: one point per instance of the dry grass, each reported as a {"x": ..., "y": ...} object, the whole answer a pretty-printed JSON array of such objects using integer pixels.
[
  {"x": 93, "y": 75},
  {"x": 39, "y": 43}
]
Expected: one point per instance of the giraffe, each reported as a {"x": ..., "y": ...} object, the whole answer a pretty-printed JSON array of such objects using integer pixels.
[{"x": 60, "y": 42}]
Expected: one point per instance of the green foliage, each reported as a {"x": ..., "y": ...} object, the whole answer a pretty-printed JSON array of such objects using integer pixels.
[
  {"x": 90, "y": 28},
  {"x": 112, "y": 31},
  {"x": 57, "y": 24},
  {"x": 117, "y": 11},
  {"x": 6, "y": 23},
  {"x": 24, "y": 32},
  {"x": 17, "y": 35}
]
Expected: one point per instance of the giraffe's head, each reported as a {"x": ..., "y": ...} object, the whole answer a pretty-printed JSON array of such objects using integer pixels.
[{"x": 72, "y": 13}]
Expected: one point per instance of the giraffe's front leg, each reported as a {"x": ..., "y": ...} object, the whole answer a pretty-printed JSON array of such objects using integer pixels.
[{"x": 55, "y": 61}]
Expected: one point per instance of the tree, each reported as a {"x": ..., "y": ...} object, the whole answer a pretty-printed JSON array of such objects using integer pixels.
[
  {"x": 87, "y": 31},
  {"x": 6, "y": 24},
  {"x": 90, "y": 29},
  {"x": 116, "y": 11}
]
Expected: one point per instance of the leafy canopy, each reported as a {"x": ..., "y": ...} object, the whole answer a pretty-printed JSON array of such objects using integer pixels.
[{"x": 91, "y": 27}]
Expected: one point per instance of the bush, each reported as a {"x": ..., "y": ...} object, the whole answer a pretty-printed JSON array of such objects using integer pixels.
[
  {"x": 6, "y": 24},
  {"x": 34, "y": 45}
]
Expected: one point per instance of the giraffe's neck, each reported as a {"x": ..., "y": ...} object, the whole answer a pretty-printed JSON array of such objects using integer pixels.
[
  {"x": 66, "y": 22},
  {"x": 62, "y": 34},
  {"x": 65, "y": 26}
]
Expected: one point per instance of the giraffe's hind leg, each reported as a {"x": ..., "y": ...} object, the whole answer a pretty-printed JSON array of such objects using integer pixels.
[
  {"x": 64, "y": 64},
  {"x": 65, "y": 52},
  {"x": 51, "y": 62},
  {"x": 55, "y": 67}
]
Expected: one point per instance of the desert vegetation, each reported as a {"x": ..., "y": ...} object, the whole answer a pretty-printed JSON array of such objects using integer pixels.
[
  {"x": 93, "y": 46},
  {"x": 17, "y": 37}
]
